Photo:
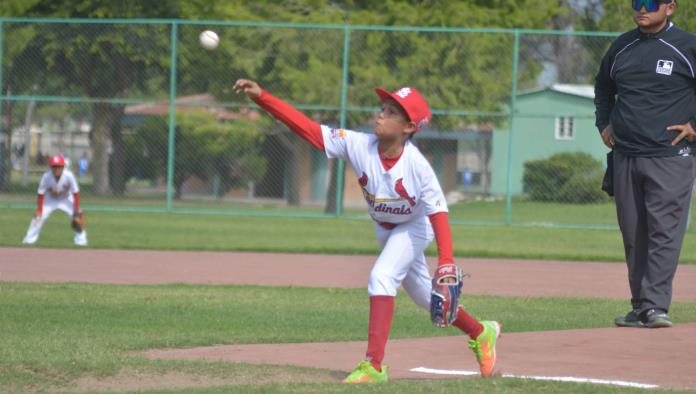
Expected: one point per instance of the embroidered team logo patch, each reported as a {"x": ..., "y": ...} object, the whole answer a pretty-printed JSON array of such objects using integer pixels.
[
  {"x": 338, "y": 133},
  {"x": 664, "y": 67}
]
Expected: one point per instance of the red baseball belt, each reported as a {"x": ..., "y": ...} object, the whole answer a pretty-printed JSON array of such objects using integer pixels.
[{"x": 387, "y": 225}]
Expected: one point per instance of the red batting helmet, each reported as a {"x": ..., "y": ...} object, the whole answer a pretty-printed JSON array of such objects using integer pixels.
[
  {"x": 56, "y": 161},
  {"x": 412, "y": 102}
]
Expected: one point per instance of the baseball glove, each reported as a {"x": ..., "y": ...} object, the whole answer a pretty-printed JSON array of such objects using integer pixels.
[
  {"x": 444, "y": 297},
  {"x": 79, "y": 222}
]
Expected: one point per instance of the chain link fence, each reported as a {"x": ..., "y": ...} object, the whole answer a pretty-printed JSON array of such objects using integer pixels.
[{"x": 148, "y": 120}]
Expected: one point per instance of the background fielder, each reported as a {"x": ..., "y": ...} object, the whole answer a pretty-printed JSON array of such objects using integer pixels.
[{"x": 58, "y": 189}]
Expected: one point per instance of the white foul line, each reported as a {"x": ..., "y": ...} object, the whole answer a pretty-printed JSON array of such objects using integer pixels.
[
  {"x": 621, "y": 383},
  {"x": 443, "y": 371}
]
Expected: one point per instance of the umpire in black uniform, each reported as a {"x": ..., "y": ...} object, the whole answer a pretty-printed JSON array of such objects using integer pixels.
[{"x": 645, "y": 99}]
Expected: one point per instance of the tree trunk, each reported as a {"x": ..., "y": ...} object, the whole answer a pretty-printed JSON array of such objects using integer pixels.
[
  {"x": 330, "y": 206},
  {"x": 6, "y": 184},
  {"x": 564, "y": 47},
  {"x": 178, "y": 185},
  {"x": 118, "y": 156},
  {"x": 292, "y": 192},
  {"x": 100, "y": 146},
  {"x": 486, "y": 159},
  {"x": 293, "y": 172}
]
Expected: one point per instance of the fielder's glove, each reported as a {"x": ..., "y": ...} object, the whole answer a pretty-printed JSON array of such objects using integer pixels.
[
  {"x": 79, "y": 222},
  {"x": 444, "y": 296}
]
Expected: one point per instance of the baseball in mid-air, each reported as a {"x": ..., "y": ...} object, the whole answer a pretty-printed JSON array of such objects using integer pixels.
[{"x": 209, "y": 39}]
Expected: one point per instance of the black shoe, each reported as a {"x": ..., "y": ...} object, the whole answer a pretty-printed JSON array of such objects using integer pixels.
[
  {"x": 657, "y": 318},
  {"x": 630, "y": 320}
]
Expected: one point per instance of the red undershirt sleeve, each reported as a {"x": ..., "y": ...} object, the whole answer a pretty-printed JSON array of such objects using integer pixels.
[
  {"x": 294, "y": 119},
  {"x": 39, "y": 203},
  {"x": 76, "y": 202},
  {"x": 443, "y": 238}
]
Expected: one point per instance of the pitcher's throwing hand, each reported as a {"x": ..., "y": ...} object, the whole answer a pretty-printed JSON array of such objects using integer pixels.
[{"x": 248, "y": 87}]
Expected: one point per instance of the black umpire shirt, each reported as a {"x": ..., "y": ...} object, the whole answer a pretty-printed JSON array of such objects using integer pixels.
[{"x": 654, "y": 77}]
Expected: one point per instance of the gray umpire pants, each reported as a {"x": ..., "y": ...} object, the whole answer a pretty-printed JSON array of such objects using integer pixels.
[{"x": 652, "y": 196}]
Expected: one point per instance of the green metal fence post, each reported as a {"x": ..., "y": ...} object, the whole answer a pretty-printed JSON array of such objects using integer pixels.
[
  {"x": 340, "y": 167},
  {"x": 2, "y": 105},
  {"x": 2, "y": 102},
  {"x": 172, "y": 116},
  {"x": 513, "y": 121}
]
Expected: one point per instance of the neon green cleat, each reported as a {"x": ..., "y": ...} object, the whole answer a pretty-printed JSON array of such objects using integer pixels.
[
  {"x": 366, "y": 373},
  {"x": 484, "y": 347}
]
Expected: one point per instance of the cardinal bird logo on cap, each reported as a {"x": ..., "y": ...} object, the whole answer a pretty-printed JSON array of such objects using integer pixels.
[{"x": 401, "y": 191}]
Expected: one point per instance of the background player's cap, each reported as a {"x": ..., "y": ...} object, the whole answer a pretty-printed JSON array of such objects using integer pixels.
[
  {"x": 412, "y": 102},
  {"x": 56, "y": 161}
]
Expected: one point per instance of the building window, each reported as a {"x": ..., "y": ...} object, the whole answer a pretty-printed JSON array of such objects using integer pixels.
[{"x": 565, "y": 128}]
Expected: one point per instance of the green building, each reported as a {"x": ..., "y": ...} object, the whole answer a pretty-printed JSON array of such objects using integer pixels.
[{"x": 559, "y": 118}]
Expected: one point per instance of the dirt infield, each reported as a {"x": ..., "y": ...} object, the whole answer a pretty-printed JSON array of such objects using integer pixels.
[
  {"x": 609, "y": 354},
  {"x": 514, "y": 278},
  {"x": 631, "y": 356}
]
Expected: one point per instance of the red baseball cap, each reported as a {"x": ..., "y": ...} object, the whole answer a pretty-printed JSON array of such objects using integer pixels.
[
  {"x": 412, "y": 102},
  {"x": 56, "y": 161}
]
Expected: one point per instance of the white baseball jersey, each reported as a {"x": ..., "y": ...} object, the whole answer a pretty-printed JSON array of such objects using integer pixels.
[
  {"x": 407, "y": 191},
  {"x": 57, "y": 190},
  {"x": 58, "y": 194}
]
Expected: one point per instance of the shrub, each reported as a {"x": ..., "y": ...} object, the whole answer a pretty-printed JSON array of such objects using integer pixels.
[{"x": 568, "y": 177}]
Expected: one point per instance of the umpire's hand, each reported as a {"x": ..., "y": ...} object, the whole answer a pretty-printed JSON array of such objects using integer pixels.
[
  {"x": 608, "y": 137},
  {"x": 685, "y": 131}
]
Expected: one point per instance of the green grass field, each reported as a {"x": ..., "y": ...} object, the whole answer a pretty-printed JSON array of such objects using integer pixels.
[
  {"x": 142, "y": 195},
  {"x": 78, "y": 337},
  {"x": 56, "y": 334},
  {"x": 162, "y": 231},
  {"x": 524, "y": 212}
]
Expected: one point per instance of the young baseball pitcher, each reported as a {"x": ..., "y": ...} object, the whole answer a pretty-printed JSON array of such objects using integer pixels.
[
  {"x": 58, "y": 189},
  {"x": 408, "y": 207}
]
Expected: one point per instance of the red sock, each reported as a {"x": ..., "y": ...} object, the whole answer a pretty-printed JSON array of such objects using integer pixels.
[
  {"x": 468, "y": 324},
  {"x": 381, "y": 314}
]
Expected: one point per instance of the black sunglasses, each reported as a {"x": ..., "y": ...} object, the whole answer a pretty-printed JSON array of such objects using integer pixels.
[{"x": 650, "y": 5}]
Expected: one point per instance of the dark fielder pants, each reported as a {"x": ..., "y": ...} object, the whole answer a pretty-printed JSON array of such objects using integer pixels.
[{"x": 652, "y": 195}]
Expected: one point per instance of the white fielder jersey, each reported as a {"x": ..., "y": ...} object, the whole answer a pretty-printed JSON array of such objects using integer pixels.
[
  {"x": 409, "y": 190},
  {"x": 58, "y": 189}
]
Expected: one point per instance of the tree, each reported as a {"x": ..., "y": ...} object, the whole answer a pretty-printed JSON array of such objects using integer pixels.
[
  {"x": 20, "y": 61},
  {"x": 100, "y": 61},
  {"x": 103, "y": 61},
  {"x": 455, "y": 71},
  {"x": 205, "y": 146}
]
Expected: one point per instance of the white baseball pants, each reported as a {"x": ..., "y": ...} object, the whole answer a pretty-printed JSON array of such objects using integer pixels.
[
  {"x": 402, "y": 262},
  {"x": 36, "y": 224}
]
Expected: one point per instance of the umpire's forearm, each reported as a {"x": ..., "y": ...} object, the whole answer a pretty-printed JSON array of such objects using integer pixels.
[
  {"x": 605, "y": 93},
  {"x": 604, "y": 104}
]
